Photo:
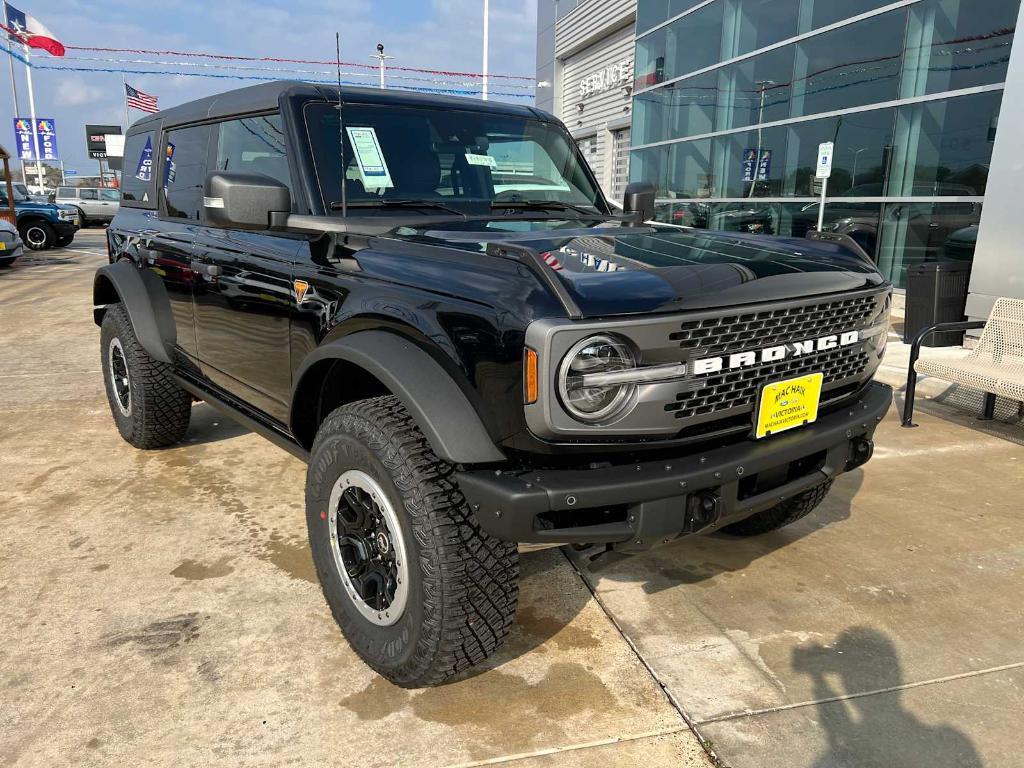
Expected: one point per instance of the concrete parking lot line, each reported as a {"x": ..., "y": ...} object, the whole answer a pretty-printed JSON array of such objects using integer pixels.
[
  {"x": 973, "y": 722},
  {"x": 676, "y": 744}
]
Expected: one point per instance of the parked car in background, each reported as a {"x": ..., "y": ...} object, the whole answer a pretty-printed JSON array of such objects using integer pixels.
[
  {"x": 41, "y": 225},
  {"x": 35, "y": 197},
  {"x": 11, "y": 246},
  {"x": 96, "y": 205}
]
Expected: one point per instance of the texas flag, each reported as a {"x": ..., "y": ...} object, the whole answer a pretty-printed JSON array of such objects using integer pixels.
[{"x": 28, "y": 30}]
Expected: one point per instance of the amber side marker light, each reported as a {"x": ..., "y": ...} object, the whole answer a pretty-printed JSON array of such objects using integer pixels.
[{"x": 530, "y": 376}]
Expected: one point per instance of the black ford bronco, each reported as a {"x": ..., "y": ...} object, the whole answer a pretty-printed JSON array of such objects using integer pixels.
[{"x": 430, "y": 301}]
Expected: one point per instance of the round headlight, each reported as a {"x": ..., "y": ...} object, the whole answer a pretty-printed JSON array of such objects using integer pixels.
[{"x": 583, "y": 394}]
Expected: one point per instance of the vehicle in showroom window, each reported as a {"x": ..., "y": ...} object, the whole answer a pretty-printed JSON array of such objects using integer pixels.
[{"x": 465, "y": 362}]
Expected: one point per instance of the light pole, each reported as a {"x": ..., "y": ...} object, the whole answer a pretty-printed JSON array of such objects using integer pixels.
[
  {"x": 381, "y": 58},
  {"x": 856, "y": 157},
  {"x": 763, "y": 86},
  {"x": 487, "y": 24}
]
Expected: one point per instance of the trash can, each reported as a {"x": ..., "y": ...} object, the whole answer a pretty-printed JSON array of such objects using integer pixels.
[{"x": 936, "y": 293}]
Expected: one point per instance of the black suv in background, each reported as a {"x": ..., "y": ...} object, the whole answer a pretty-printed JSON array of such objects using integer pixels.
[{"x": 430, "y": 301}]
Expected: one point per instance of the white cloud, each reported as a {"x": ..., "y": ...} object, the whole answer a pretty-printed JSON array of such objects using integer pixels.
[{"x": 74, "y": 92}]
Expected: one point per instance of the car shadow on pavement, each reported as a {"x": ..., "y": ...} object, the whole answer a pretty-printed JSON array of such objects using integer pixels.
[
  {"x": 694, "y": 559},
  {"x": 864, "y": 718},
  {"x": 208, "y": 425}
]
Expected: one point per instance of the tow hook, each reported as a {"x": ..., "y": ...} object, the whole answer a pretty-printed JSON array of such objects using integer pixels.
[{"x": 860, "y": 451}]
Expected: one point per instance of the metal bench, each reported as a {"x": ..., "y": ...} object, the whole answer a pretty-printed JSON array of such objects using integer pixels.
[{"x": 995, "y": 366}]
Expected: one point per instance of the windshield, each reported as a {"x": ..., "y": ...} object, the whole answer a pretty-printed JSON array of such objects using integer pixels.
[
  {"x": 458, "y": 160},
  {"x": 20, "y": 193}
]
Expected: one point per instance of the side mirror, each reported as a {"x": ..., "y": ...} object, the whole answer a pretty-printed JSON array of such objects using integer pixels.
[
  {"x": 639, "y": 201},
  {"x": 237, "y": 200}
]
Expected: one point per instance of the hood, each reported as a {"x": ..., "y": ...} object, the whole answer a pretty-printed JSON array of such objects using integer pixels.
[
  {"x": 612, "y": 269},
  {"x": 31, "y": 205}
]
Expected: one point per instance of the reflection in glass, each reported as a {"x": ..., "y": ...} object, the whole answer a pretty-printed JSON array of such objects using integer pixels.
[
  {"x": 918, "y": 233},
  {"x": 693, "y": 42},
  {"x": 953, "y": 44},
  {"x": 944, "y": 147},
  {"x": 685, "y": 108},
  {"x": 850, "y": 66}
]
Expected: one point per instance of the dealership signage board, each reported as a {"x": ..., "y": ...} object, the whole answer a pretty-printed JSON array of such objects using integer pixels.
[
  {"x": 96, "y": 139},
  {"x": 45, "y": 133}
]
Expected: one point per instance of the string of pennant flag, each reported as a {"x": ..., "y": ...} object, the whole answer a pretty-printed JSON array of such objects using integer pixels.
[{"x": 29, "y": 31}]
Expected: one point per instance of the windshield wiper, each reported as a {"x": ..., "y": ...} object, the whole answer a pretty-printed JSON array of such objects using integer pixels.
[
  {"x": 394, "y": 203},
  {"x": 540, "y": 205}
]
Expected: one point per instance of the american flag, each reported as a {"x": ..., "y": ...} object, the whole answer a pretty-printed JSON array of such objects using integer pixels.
[{"x": 140, "y": 100}]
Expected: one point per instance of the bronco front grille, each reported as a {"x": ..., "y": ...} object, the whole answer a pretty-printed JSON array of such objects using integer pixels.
[
  {"x": 735, "y": 333},
  {"x": 738, "y": 389}
]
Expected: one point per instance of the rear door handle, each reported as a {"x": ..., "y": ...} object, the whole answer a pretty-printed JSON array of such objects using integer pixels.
[{"x": 212, "y": 270}]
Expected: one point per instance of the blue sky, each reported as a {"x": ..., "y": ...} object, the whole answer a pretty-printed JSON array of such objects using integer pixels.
[{"x": 436, "y": 34}]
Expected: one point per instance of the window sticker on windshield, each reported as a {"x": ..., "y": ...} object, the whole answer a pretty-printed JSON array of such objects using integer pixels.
[
  {"x": 487, "y": 160},
  {"x": 144, "y": 172},
  {"x": 372, "y": 166}
]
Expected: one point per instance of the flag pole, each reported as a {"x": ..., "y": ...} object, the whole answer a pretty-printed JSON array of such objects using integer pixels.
[
  {"x": 487, "y": 29},
  {"x": 124, "y": 95},
  {"x": 17, "y": 111},
  {"x": 32, "y": 114}
]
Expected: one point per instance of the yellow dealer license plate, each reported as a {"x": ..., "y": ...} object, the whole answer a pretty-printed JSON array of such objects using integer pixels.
[
  {"x": 787, "y": 404},
  {"x": 3, "y": 246}
]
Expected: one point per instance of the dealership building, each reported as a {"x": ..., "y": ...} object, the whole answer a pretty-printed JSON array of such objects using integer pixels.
[{"x": 731, "y": 99}]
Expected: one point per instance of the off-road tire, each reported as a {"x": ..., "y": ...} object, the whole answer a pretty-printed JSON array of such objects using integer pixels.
[
  {"x": 463, "y": 584},
  {"x": 788, "y": 511},
  {"x": 158, "y": 409},
  {"x": 8, "y": 262},
  {"x": 37, "y": 235}
]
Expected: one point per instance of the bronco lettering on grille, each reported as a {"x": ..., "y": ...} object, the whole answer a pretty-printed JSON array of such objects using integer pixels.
[{"x": 707, "y": 365}]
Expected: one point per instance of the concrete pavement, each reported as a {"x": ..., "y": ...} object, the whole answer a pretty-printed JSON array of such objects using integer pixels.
[{"x": 159, "y": 607}]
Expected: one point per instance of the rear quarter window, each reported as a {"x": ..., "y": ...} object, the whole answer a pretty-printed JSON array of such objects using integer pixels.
[{"x": 138, "y": 183}]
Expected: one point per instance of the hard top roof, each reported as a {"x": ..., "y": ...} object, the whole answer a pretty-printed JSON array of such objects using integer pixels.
[{"x": 265, "y": 96}]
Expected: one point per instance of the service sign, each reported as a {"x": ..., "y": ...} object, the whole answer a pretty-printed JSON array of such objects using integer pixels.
[
  {"x": 612, "y": 76},
  {"x": 45, "y": 133}
]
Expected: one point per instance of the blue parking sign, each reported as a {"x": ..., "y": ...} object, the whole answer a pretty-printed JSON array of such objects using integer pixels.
[{"x": 749, "y": 162}]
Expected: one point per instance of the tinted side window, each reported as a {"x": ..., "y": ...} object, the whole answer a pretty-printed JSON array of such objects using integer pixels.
[
  {"x": 184, "y": 171},
  {"x": 65, "y": 192},
  {"x": 253, "y": 145},
  {"x": 87, "y": 194},
  {"x": 111, "y": 195},
  {"x": 137, "y": 182}
]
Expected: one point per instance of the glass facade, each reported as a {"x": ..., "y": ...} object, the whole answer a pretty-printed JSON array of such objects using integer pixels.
[{"x": 910, "y": 97}]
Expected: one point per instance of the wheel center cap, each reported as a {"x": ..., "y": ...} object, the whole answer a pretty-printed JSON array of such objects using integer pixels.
[{"x": 383, "y": 543}]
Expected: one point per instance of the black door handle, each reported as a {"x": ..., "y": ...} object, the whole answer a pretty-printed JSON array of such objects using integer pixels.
[{"x": 212, "y": 270}]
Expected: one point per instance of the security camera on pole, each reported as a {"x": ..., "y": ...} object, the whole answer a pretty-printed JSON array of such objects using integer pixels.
[{"x": 381, "y": 58}]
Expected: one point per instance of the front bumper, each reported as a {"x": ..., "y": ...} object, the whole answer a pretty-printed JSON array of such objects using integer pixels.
[
  {"x": 637, "y": 506},
  {"x": 66, "y": 227}
]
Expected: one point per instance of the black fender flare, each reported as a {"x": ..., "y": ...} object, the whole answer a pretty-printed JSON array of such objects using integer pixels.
[
  {"x": 145, "y": 299},
  {"x": 438, "y": 406}
]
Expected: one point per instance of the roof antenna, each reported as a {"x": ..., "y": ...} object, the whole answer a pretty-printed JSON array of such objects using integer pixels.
[{"x": 341, "y": 127}]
